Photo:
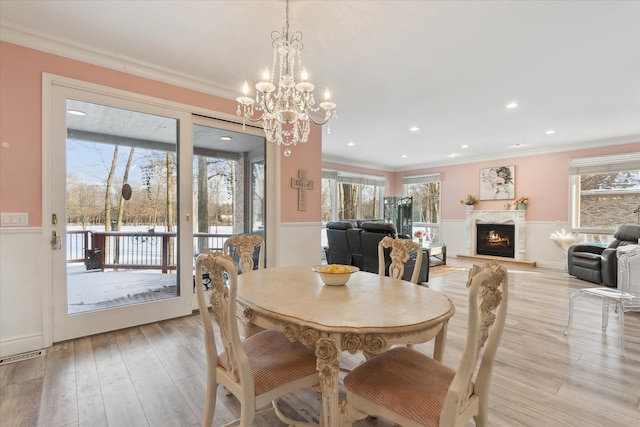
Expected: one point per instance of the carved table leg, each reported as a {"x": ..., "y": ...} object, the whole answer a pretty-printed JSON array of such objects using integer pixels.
[
  {"x": 441, "y": 338},
  {"x": 328, "y": 355}
]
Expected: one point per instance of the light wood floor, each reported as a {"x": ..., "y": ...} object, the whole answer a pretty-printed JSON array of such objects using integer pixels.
[{"x": 155, "y": 374}]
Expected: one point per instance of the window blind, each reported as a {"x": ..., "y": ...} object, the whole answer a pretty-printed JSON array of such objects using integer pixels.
[
  {"x": 435, "y": 177},
  {"x": 354, "y": 179},
  {"x": 604, "y": 164}
]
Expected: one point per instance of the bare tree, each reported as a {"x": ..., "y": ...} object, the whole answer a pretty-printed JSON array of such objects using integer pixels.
[
  {"x": 203, "y": 201},
  {"x": 348, "y": 201},
  {"x": 426, "y": 201},
  {"x": 121, "y": 204},
  {"x": 170, "y": 201},
  {"x": 107, "y": 197}
]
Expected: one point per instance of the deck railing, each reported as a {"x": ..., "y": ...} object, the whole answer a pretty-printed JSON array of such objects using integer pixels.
[{"x": 132, "y": 250}]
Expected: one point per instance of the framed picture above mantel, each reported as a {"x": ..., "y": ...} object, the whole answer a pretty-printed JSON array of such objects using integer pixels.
[{"x": 498, "y": 183}]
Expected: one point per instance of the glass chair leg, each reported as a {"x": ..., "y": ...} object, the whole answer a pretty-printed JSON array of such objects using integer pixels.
[
  {"x": 605, "y": 316},
  {"x": 571, "y": 301},
  {"x": 620, "y": 309}
]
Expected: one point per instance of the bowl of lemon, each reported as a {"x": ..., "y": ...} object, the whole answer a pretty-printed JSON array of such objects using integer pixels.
[{"x": 335, "y": 274}]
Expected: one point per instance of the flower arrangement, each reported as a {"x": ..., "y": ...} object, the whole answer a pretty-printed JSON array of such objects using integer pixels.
[
  {"x": 469, "y": 200},
  {"x": 420, "y": 234},
  {"x": 524, "y": 200}
]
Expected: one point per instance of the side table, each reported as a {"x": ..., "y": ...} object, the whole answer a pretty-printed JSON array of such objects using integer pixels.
[{"x": 439, "y": 252}]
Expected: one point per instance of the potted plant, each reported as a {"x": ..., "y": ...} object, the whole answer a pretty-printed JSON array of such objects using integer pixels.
[
  {"x": 469, "y": 201},
  {"x": 522, "y": 203}
]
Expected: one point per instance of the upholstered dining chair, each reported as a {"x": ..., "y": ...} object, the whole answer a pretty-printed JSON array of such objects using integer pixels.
[
  {"x": 412, "y": 389},
  {"x": 242, "y": 247},
  {"x": 401, "y": 250},
  {"x": 257, "y": 370}
]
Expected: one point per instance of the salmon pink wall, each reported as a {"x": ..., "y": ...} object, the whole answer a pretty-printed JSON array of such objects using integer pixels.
[
  {"x": 543, "y": 178},
  {"x": 21, "y": 126},
  {"x": 308, "y": 157}
]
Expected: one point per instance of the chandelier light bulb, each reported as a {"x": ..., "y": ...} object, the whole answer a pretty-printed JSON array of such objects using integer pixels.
[
  {"x": 245, "y": 88},
  {"x": 327, "y": 94},
  {"x": 265, "y": 75},
  {"x": 303, "y": 74}
]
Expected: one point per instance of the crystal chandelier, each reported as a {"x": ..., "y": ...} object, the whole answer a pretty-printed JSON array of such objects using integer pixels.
[{"x": 288, "y": 109}]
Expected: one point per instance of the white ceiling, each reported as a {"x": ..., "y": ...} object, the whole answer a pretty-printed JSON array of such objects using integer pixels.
[{"x": 448, "y": 67}]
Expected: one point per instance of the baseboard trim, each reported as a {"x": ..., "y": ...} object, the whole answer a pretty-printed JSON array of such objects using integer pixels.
[{"x": 22, "y": 344}]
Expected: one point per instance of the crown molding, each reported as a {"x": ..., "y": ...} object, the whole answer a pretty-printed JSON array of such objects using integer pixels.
[
  {"x": 508, "y": 154},
  {"x": 21, "y": 36}
]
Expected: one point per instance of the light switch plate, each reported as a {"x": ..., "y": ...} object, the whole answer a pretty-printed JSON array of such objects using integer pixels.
[{"x": 14, "y": 219}]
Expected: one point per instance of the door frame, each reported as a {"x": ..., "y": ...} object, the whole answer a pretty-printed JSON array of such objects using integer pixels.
[{"x": 52, "y": 115}]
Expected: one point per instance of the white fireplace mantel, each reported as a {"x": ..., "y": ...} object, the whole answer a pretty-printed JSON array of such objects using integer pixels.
[{"x": 517, "y": 218}]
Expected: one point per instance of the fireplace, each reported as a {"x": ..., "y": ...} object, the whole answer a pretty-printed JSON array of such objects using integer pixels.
[
  {"x": 514, "y": 219},
  {"x": 495, "y": 240}
]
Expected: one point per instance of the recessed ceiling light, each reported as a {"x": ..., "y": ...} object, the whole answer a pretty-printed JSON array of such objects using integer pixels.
[
  {"x": 351, "y": 143},
  {"x": 512, "y": 105},
  {"x": 464, "y": 146},
  {"x": 414, "y": 129},
  {"x": 452, "y": 155},
  {"x": 404, "y": 156},
  {"x": 550, "y": 132},
  {"x": 517, "y": 145},
  {"x": 225, "y": 138},
  {"x": 76, "y": 112}
]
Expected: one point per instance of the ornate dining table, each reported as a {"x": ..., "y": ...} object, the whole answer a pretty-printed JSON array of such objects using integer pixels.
[{"x": 370, "y": 313}]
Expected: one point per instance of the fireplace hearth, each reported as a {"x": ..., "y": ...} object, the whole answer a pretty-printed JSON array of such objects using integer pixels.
[{"x": 495, "y": 240}]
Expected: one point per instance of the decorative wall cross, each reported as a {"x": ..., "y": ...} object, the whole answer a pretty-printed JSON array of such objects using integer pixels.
[{"x": 302, "y": 184}]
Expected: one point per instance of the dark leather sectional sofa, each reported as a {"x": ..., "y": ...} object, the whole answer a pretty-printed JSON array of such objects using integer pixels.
[{"x": 355, "y": 242}]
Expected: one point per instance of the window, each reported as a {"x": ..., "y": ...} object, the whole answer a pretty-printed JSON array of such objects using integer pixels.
[
  {"x": 605, "y": 192},
  {"x": 348, "y": 196},
  {"x": 425, "y": 191}
]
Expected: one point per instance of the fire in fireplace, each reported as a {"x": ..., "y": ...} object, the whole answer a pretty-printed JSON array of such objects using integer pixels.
[{"x": 495, "y": 240}]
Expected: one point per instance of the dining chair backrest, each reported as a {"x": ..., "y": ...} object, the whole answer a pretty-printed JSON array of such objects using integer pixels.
[
  {"x": 488, "y": 296},
  {"x": 256, "y": 370},
  {"x": 413, "y": 389},
  {"x": 223, "y": 303},
  {"x": 242, "y": 248},
  {"x": 401, "y": 250}
]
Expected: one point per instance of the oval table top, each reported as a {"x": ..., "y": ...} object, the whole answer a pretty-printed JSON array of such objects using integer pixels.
[{"x": 367, "y": 303}]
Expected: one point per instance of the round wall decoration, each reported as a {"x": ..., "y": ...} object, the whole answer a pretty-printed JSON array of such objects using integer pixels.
[{"x": 126, "y": 191}]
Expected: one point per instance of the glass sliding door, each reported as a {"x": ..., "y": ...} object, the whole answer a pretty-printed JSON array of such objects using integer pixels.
[
  {"x": 228, "y": 183},
  {"x": 113, "y": 188}
]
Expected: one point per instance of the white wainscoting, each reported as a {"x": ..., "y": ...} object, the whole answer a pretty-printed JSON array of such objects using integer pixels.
[
  {"x": 21, "y": 290},
  {"x": 299, "y": 244}
]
